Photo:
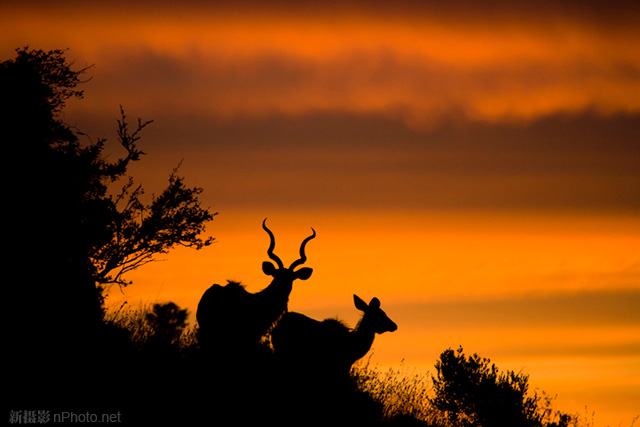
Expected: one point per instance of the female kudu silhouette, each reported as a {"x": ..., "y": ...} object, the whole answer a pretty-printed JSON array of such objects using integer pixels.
[
  {"x": 328, "y": 347},
  {"x": 232, "y": 321}
]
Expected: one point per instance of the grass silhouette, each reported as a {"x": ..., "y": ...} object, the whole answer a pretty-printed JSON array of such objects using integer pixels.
[{"x": 403, "y": 393}]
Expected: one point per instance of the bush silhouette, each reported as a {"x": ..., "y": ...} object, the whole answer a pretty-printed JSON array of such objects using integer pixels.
[
  {"x": 473, "y": 392},
  {"x": 167, "y": 321}
]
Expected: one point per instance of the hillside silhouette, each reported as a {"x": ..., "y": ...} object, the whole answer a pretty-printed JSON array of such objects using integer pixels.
[{"x": 247, "y": 360}]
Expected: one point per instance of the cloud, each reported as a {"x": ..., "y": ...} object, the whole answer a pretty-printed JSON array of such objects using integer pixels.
[
  {"x": 428, "y": 107},
  {"x": 421, "y": 68},
  {"x": 365, "y": 162}
]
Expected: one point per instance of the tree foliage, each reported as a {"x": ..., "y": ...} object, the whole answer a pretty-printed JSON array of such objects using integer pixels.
[{"x": 81, "y": 217}]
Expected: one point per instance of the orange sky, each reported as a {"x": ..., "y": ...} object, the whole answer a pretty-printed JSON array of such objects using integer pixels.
[
  {"x": 476, "y": 167},
  {"x": 418, "y": 67},
  {"x": 553, "y": 295}
]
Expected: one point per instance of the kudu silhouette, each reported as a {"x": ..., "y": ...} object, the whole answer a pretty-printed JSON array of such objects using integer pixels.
[
  {"x": 328, "y": 346},
  {"x": 232, "y": 321}
]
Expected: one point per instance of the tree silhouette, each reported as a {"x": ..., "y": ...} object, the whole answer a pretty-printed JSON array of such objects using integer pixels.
[
  {"x": 105, "y": 234},
  {"x": 76, "y": 223},
  {"x": 473, "y": 393}
]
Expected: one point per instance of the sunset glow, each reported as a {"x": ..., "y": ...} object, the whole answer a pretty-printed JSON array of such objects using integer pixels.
[{"x": 477, "y": 170}]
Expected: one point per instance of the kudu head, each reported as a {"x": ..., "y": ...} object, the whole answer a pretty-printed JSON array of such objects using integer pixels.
[
  {"x": 283, "y": 277},
  {"x": 374, "y": 317}
]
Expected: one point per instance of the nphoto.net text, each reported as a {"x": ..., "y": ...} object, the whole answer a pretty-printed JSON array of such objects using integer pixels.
[{"x": 46, "y": 417}]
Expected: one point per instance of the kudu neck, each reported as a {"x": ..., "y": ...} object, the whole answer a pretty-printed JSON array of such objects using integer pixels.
[
  {"x": 279, "y": 288},
  {"x": 363, "y": 335}
]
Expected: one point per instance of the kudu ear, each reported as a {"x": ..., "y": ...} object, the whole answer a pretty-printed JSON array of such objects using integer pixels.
[
  {"x": 375, "y": 303},
  {"x": 304, "y": 273},
  {"x": 268, "y": 268},
  {"x": 360, "y": 304}
]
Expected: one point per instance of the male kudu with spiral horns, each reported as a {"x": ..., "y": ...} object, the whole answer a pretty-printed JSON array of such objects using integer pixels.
[{"x": 233, "y": 321}]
